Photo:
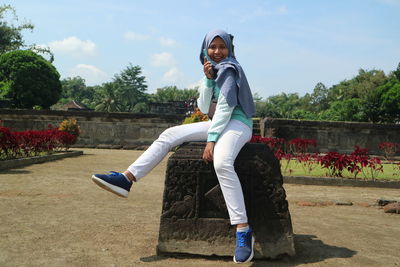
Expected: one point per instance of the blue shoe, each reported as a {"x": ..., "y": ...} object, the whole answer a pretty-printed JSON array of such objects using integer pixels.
[
  {"x": 114, "y": 182},
  {"x": 244, "y": 246}
]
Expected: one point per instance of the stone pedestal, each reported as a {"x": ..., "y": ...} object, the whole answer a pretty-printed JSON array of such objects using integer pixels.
[{"x": 194, "y": 217}]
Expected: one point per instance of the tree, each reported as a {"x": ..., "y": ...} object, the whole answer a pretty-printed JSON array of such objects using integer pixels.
[
  {"x": 390, "y": 101},
  {"x": 343, "y": 110},
  {"x": 319, "y": 98},
  {"x": 28, "y": 80},
  {"x": 172, "y": 93},
  {"x": 75, "y": 89},
  {"x": 130, "y": 87},
  {"x": 109, "y": 101},
  {"x": 397, "y": 72},
  {"x": 10, "y": 35}
]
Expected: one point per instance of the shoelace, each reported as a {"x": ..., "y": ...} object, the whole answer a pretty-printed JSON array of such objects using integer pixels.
[
  {"x": 112, "y": 173},
  {"x": 241, "y": 239}
]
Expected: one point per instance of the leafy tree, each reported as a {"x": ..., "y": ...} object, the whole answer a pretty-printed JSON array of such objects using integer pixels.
[
  {"x": 28, "y": 80},
  {"x": 397, "y": 72},
  {"x": 10, "y": 35},
  {"x": 257, "y": 97},
  {"x": 266, "y": 109},
  {"x": 390, "y": 101},
  {"x": 109, "y": 101},
  {"x": 319, "y": 98},
  {"x": 172, "y": 93},
  {"x": 344, "y": 110},
  {"x": 73, "y": 88},
  {"x": 76, "y": 89},
  {"x": 130, "y": 87},
  {"x": 303, "y": 115}
]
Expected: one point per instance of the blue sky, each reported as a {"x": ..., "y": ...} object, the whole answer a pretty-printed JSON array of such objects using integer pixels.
[{"x": 283, "y": 46}]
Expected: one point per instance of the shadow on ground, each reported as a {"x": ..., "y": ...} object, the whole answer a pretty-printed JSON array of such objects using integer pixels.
[
  {"x": 309, "y": 249},
  {"x": 14, "y": 171}
]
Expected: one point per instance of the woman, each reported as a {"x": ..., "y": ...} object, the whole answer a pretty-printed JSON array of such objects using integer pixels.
[{"x": 229, "y": 130}]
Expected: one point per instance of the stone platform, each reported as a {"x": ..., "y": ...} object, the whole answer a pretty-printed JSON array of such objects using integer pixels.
[{"x": 194, "y": 217}]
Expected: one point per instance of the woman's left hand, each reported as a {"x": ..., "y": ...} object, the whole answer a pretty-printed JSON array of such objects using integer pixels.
[{"x": 208, "y": 153}]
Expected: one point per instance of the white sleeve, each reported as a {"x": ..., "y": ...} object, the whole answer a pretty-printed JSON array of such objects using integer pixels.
[
  {"x": 222, "y": 116},
  {"x": 205, "y": 94}
]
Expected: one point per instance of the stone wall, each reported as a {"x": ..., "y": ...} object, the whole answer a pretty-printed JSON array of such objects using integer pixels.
[
  {"x": 129, "y": 130},
  {"x": 334, "y": 136},
  {"x": 98, "y": 129}
]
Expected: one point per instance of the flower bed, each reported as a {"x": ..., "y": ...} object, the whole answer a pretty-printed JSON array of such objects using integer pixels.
[
  {"x": 14, "y": 145},
  {"x": 296, "y": 160}
]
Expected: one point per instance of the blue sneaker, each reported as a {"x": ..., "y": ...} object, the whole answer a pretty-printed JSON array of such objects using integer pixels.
[
  {"x": 114, "y": 182},
  {"x": 244, "y": 246}
]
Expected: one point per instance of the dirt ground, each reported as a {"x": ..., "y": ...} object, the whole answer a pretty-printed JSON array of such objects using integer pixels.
[{"x": 52, "y": 214}]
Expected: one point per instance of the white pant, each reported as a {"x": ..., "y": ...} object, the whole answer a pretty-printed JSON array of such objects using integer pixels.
[{"x": 230, "y": 142}]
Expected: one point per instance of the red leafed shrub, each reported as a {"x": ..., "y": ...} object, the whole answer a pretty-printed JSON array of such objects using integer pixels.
[
  {"x": 299, "y": 145},
  {"x": 32, "y": 143},
  {"x": 359, "y": 159},
  {"x": 335, "y": 163},
  {"x": 275, "y": 144},
  {"x": 256, "y": 139},
  {"x": 8, "y": 144},
  {"x": 389, "y": 149},
  {"x": 308, "y": 161},
  {"x": 357, "y": 162},
  {"x": 375, "y": 166}
]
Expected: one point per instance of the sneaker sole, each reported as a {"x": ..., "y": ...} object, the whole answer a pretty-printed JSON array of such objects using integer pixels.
[
  {"x": 253, "y": 239},
  {"x": 109, "y": 187}
]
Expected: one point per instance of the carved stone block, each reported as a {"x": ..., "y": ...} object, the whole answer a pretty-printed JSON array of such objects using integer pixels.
[{"x": 194, "y": 217}]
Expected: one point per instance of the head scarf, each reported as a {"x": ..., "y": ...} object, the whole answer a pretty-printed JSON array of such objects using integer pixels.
[{"x": 240, "y": 94}]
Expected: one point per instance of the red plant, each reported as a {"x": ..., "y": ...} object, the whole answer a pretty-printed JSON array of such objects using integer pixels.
[
  {"x": 8, "y": 143},
  {"x": 389, "y": 149},
  {"x": 335, "y": 163},
  {"x": 308, "y": 161},
  {"x": 273, "y": 143},
  {"x": 375, "y": 166},
  {"x": 32, "y": 143},
  {"x": 299, "y": 145},
  {"x": 359, "y": 159}
]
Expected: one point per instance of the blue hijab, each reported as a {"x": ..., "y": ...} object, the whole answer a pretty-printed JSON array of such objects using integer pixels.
[{"x": 239, "y": 94}]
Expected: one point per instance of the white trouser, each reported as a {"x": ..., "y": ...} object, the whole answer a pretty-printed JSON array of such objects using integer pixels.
[{"x": 235, "y": 135}]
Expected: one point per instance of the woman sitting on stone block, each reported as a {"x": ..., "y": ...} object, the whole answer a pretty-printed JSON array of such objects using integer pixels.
[{"x": 225, "y": 85}]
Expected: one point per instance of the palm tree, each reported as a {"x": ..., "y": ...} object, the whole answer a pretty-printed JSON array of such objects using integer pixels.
[{"x": 109, "y": 101}]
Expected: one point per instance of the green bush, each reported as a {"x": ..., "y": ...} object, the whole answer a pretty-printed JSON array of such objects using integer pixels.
[{"x": 28, "y": 80}]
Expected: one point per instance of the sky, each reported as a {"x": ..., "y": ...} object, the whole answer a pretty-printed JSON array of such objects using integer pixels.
[{"x": 284, "y": 46}]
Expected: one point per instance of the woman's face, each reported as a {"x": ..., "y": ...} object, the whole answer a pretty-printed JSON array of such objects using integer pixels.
[{"x": 218, "y": 50}]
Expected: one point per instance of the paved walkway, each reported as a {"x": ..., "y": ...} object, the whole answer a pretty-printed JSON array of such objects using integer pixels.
[{"x": 51, "y": 214}]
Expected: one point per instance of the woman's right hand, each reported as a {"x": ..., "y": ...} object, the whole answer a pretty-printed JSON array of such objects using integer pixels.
[{"x": 208, "y": 70}]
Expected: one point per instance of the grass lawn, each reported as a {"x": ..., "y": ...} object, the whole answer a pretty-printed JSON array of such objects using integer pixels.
[{"x": 294, "y": 168}]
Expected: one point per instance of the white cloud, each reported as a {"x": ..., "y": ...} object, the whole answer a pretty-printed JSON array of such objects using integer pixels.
[
  {"x": 168, "y": 42},
  {"x": 132, "y": 36},
  {"x": 163, "y": 60},
  {"x": 173, "y": 76},
  {"x": 195, "y": 84},
  {"x": 74, "y": 46},
  {"x": 91, "y": 74}
]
